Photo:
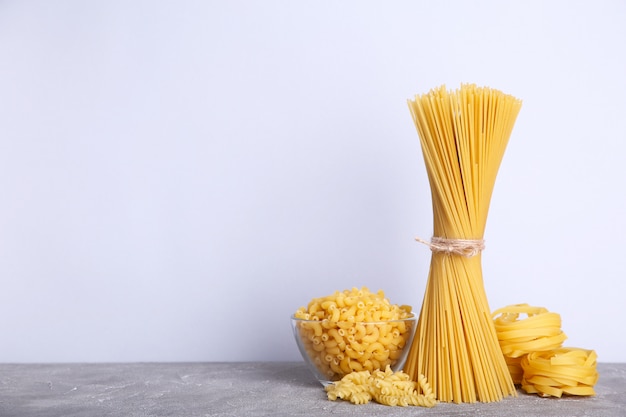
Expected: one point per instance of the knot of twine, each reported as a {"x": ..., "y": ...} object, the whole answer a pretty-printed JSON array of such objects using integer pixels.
[{"x": 463, "y": 247}]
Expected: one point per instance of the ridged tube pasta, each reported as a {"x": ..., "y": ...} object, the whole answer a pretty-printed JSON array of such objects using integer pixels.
[
  {"x": 339, "y": 335},
  {"x": 539, "y": 331},
  {"x": 385, "y": 387}
]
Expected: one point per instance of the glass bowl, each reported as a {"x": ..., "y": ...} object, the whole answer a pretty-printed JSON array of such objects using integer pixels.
[{"x": 333, "y": 349}]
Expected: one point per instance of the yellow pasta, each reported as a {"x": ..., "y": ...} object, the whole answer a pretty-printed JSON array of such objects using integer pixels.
[
  {"x": 570, "y": 371},
  {"x": 463, "y": 136},
  {"x": 539, "y": 331},
  {"x": 385, "y": 387},
  {"x": 353, "y": 330}
]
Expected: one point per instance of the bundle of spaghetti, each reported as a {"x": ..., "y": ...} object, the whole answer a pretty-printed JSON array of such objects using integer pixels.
[
  {"x": 560, "y": 371},
  {"x": 539, "y": 331},
  {"x": 463, "y": 136}
]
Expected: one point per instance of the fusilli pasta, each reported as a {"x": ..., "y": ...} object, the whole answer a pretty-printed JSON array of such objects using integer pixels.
[{"x": 385, "y": 387}]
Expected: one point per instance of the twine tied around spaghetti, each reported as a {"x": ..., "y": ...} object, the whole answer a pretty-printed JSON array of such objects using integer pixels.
[{"x": 463, "y": 247}]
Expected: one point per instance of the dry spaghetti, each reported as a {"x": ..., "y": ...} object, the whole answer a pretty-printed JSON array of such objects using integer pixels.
[{"x": 463, "y": 136}]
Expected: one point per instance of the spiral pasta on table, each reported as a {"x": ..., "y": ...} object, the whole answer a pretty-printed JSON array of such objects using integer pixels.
[
  {"x": 353, "y": 330},
  {"x": 385, "y": 387}
]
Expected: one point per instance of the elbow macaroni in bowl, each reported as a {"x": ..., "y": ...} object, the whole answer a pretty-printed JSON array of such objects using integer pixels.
[{"x": 353, "y": 330}]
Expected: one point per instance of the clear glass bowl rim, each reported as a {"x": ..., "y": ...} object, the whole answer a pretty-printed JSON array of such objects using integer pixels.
[{"x": 412, "y": 317}]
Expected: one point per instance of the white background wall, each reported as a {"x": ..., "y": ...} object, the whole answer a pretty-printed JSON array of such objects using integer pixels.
[{"x": 176, "y": 178}]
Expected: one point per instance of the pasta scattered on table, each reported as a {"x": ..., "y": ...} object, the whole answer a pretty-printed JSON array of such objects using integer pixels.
[{"x": 384, "y": 387}]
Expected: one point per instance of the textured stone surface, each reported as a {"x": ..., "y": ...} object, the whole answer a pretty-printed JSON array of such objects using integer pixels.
[{"x": 245, "y": 389}]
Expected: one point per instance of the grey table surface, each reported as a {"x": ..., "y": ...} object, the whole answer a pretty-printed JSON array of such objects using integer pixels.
[{"x": 245, "y": 389}]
